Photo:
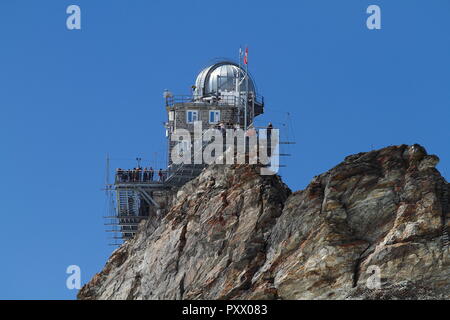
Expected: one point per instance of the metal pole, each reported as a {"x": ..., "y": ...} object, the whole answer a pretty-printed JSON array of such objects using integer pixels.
[
  {"x": 239, "y": 71},
  {"x": 253, "y": 106},
  {"x": 238, "y": 88},
  {"x": 246, "y": 91},
  {"x": 107, "y": 173}
]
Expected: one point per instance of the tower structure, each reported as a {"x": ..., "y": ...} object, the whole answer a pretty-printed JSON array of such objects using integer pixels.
[{"x": 224, "y": 95}]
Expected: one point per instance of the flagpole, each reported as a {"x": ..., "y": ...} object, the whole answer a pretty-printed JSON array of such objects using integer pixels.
[
  {"x": 239, "y": 73},
  {"x": 246, "y": 88},
  {"x": 238, "y": 87}
]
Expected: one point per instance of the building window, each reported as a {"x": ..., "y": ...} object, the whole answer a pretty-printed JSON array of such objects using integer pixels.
[
  {"x": 191, "y": 116},
  {"x": 214, "y": 116}
]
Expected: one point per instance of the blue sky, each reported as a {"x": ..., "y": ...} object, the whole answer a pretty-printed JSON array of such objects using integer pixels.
[{"x": 67, "y": 98}]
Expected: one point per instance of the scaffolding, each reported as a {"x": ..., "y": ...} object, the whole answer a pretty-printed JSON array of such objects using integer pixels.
[{"x": 135, "y": 196}]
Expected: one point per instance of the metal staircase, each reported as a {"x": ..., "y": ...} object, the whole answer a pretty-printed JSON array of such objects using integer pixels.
[
  {"x": 124, "y": 224},
  {"x": 127, "y": 202},
  {"x": 179, "y": 174},
  {"x": 184, "y": 173}
]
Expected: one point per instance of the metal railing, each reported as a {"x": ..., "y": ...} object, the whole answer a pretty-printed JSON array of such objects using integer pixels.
[
  {"x": 140, "y": 176},
  {"x": 227, "y": 100},
  {"x": 175, "y": 169}
]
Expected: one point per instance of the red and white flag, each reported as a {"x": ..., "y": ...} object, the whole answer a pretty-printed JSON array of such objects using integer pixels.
[{"x": 246, "y": 56}]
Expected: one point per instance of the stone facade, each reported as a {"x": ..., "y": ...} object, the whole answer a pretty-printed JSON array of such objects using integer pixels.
[{"x": 228, "y": 115}]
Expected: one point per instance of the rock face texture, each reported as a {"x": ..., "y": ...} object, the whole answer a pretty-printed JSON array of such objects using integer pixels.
[{"x": 373, "y": 227}]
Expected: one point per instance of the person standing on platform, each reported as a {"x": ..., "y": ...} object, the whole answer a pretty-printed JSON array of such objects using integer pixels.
[
  {"x": 145, "y": 175},
  {"x": 119, "y": 175},
  {"x": 151, "y": 173},
  {"x": 139, "y": 174},
  {"x": 269, "y": 139}
]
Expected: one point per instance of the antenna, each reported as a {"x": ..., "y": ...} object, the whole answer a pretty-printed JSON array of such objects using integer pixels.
[
  {"x": 107, "y": 173},
  {"x": 238, "y": 87},
  {"x": 246, "y": 87}
]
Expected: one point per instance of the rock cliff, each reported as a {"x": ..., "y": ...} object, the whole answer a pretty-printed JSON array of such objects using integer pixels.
[{"x": 373, "y": 227}]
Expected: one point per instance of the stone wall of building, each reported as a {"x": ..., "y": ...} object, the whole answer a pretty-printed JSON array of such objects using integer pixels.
[{"x": 228, "y": 114}]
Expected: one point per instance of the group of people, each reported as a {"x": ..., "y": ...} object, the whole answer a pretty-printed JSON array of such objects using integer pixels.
[
  {"x": 223, "y": 126},
  {"x": 251, "y": 131},
  {"x": 139, "y": 174}
]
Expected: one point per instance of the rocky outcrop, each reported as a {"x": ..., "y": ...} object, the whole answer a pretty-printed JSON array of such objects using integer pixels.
[{"x": 371, "y": 228}]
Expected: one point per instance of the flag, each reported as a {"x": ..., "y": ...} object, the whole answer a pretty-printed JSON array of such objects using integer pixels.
[{"x": 246, "y": 56}]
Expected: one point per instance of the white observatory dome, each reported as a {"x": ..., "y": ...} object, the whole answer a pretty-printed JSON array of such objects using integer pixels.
[{"x": 220, "y": 78}]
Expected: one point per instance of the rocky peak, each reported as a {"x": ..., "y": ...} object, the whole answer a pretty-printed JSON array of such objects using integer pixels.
[{"x": 234, "y": 234}]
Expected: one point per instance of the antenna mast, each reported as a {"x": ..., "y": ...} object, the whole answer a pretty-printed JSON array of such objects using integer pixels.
[
  {"x": 238, "y": 87},
  {"x": 107, "y": 173},
  {"x": 246, "y": 87}
]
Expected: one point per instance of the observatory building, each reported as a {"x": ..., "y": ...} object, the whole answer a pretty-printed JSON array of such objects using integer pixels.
[{"x": 224, "y": 96}]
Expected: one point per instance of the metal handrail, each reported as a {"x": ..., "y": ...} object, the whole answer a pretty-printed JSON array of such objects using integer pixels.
[
  {"x": 136, "y": 176},
  {"x": 174, "y": 169},
  {"x": 213, "y": 99}
]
